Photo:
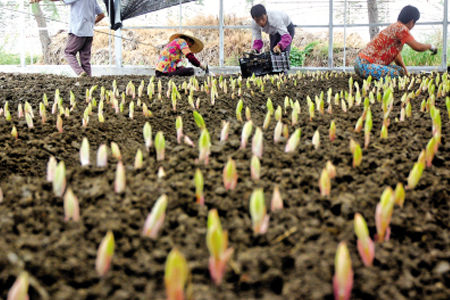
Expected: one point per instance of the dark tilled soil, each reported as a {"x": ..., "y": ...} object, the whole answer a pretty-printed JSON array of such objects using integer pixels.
[{"x": 293, "y": 260}]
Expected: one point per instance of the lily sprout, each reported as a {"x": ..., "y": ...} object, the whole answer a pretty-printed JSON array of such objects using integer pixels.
[
  {"x": 19, "y": 290},
  {"x": 105, "y": 253},
  {"x": 71, "y": 206},
  {"x": 294, "y": 117},
  {"x": 131, "y": 110},
  {"x": 179, "y": 127},
  {"x": 357, "y": 156},
  {"x": 365, "y": 245},
  {"x": 176, "y": 275},
  {"x": 120, "y": 179},
  {"x": 217, "y": 242},
  {"x": 367, "y": 128},
  {"x": 257, "y": 142},
  {"x": 239, "y": 107},
  {"x": 383, "y": 215},
  {"x": 258, "y": 212},
  {"x": 325, "y": 183},
  {"x": 277, "y": 201},
  {"x": 204, "y": 143},
  {"x": 14, "y": 132},
  {"x": 248, "y": 114},
  {"x": 330, "y": 169},
  {"x": 59, "y": 180},
  {"x": 359, "y": 125},
  {"x": 399, "y": 194},
  {"x": 230, "y": 175},
  {"x": 45, "y": 99},
  {"x": 199, "y": 184},
  {"x": 414, "y": 175},
  {"x": 147, "y": 113},
  {"x": 102, "y": 156},
  {"x": 19, "y": 111},
  {"x": 246, "y": 132},
  {"x": 147, "y": 135},
  {"x": 270, "y": 108},
  {"x": 161, "y": 173},
  {"x": 278, "y": 113},
  {"x": 267, "y": 120},
  {"x": 224, "y": 132},
  {"x": 116, "y": 151},
  {"x": 293, "y": 141},
  {"x": 51, "y": 168},
  {"x": 343, "y": 275},
  {"x": 29, "y": 120},
  {"x": 199, "y": 120},
  {"x": 430, "y": 151},
  {"x": 278, "y": 132},
  {"x": 332, "y": 133},
  {"x": 188, "y": 141},
  {"x": 160, "y": 144},
  {"x": 59, "y": 124},
  {"x": 447, "y": 105},
  {"x": 155, "y": 218},
  {"x": 316, "y": 139},
  {"x": 343, "y": 105},
  {"x": 84, "y": 152},
  {"x": 29, "y": 109},
  {"x": 311, "y": 112},
  {"x": 285, "y": 131},
  {"x": 138, "y": 160},
  {"x": 255, "y": 168}
]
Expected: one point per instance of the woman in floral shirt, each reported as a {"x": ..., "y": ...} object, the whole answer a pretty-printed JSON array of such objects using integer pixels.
[
  {"x": 180, "y": 45},
  {"x": 385, "y": 48}
]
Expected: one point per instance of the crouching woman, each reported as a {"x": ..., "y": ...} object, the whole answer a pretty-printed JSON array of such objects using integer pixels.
[{"x": 180, "y": 46}]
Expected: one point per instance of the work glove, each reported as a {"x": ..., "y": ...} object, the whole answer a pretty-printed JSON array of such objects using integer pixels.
[
  {"x": 203, "y": 66},
  {"x": 253, "y": 51},
  {"x": 277, "y": 49},
  {"x": 433, "y": 49}
]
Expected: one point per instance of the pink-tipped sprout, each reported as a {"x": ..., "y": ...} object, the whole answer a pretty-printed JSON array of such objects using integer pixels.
[
  {"x": 116, "y": 151},
  {"x": 230, "y": 175},
  {"x": 365, "y": 245},
  {"x": 102, "y": 156},
  {"x": 138, "y": 160},
  {"x": 343, "y": 275},
  {"x": 255, "y": 168},
  {"x": 84, "y": 152},
  {"x": 59, "y": 124},
  {"x": 59, "y": 180},
  {"x": 258, "y": 212},
  {"x": 179, "y": 127},
  {"x": 71, "y": 206},
  {"x": 217, "y": 242},
  {"x": 324, "y": 183},
  {"x": 105, "y": 253},
  {"x": 224, "y": 132},
  {"x": 176, "y": 275},
  {"x": 188, "y": 141},
  {"x": 19, "y": 290},
  {"x": 399, "y": 194},
  {"x": 51, "y": 168},
  {"x": 204, "y": 146},
  {"x": 160, "y": 146},
  {"x": 277, "y": 201},
  {"x": 383, "y": 215},
  {"x": 278, "y": 132},
  {"x": 147, "y": 135},
  {"x": 257, "y": 143},
  {"x": 331, "y": 169},
  {"x": 246, "y": 132},
  {"x": 316, "y": 139},
  {"x": 293, "y": 141},
  {"x": 155, "y": 218},
  {"x": 120, "y": 179},
  {"x": 414, "y": 175},
  {"x": 199, "y": 184},
  {"x": 332, "y": 133}
]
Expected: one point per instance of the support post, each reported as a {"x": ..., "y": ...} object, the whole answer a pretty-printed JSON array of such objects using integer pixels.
[
  {"x": 181, "y": 15},
  {"x": 221, "y": 34},
  {"x": 444, "y": 37},
  {"x": 22, "y": 34},
  {"x": 330, "y": 35},
  {"x": 118, "y": 35},
  {"x": 345, "y": 34}
]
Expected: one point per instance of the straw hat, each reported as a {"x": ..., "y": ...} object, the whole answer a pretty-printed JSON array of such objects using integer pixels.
[{"x": 198, "y": 45}]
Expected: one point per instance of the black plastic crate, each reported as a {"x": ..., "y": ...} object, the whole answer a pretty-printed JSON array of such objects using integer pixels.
[{"x": 264, "y": 63}]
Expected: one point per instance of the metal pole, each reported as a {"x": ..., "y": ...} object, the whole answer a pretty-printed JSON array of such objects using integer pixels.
[
  {"x": 110, "y": 50},
  {"x": 221, "y": 34},
  {"x": 181, "y": 15},
  {"x": 345, "y": 31},
  {"x": 444, "y": 37},
  {"x": 118, "y": 34},
  {"x": 330, "y": 35},
  {"x": 22, "y": 35}
]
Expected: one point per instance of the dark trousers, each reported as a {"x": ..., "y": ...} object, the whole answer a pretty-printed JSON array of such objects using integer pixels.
[
  {"x": 276, "y": 38},
  {"x": 180, "y": 71},
  {"x": 82, "y": 45}
]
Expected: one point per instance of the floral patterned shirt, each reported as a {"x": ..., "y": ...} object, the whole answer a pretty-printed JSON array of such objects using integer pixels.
[
  {"x": 385, "y": 46},
  {"x": 171, "y": 55}
]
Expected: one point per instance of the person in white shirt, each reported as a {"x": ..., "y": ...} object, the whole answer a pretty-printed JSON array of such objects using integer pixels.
[
  {"x": 84, "y": 14},
  {"x": 277, "y": 24}
]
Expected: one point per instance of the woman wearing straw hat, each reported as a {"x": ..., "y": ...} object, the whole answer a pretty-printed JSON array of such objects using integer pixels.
[{"x": 180, "y": 44}]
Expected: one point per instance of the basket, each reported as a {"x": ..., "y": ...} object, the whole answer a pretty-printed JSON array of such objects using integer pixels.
[{"x": 264, "y": 63}]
